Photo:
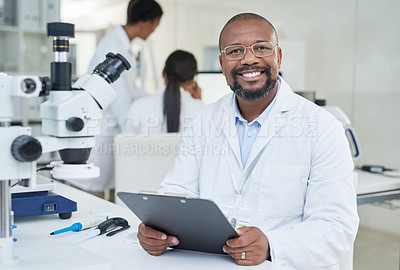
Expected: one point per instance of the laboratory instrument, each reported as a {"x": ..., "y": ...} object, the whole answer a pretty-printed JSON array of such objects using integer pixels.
[
  {"x": 379, "y": 169},
  {"x": 348, "y": 128},
  {"x": 70, "y": 118},
  {"x": 117, "y": 231},
  {"x": 105, "y": 226},
  {"x": 374, "y": 168},
  {"x": 339, "y": 114}
]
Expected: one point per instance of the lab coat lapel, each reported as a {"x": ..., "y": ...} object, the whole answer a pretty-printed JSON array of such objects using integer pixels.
[
  {"x": 229, "y": 128},
  {"x": 273, "y": 123}
]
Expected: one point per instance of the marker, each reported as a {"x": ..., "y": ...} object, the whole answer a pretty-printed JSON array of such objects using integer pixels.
[
  {"x": 117, "y": 231},
  {"x": 78, "y": 226},
  {"x": 104, "y": 227}
]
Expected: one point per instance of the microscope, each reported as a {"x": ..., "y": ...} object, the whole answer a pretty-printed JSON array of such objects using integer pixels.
[{"x": 70, "y": 119}]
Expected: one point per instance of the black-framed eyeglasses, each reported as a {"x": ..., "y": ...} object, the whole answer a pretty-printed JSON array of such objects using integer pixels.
[{"x": 260, "y": 49}]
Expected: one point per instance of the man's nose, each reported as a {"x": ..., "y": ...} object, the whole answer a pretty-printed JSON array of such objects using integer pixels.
[{"x": 249, "y": 57}]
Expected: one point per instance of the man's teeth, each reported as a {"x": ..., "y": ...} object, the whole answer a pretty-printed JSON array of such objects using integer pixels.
[{"x": 251, "y": 75}]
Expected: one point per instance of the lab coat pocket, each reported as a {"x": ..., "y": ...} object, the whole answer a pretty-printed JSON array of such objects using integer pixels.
[{"x": 283, "y": 190}]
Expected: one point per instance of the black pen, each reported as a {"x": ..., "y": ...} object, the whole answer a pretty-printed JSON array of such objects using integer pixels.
[{"x": 117, "y": 231}]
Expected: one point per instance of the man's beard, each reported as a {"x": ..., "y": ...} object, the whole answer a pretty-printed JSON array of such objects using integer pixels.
[{"x": 261, "y": 92}]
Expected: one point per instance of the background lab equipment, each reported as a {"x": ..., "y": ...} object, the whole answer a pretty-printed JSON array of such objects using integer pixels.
[
  {"x": 70, "y": 117},
  {"x": 348, "y": 128},
  {"x": 339, "y": 115}
]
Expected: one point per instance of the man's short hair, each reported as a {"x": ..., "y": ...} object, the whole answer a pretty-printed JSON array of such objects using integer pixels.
[
  {"x": 247, "y": 17},
  {"x": 143, "y": 10}
]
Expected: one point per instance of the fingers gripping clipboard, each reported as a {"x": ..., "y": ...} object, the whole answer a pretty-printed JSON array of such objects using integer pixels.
[{"x": 198, "y": 223}]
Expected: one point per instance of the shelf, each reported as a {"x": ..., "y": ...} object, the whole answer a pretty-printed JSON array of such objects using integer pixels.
[
  {"x": 24, "y": 47},
  {"x": 9, "y": 28},
  {"x": 37, "y": 52},
  {"x": 9, "y": 53}
]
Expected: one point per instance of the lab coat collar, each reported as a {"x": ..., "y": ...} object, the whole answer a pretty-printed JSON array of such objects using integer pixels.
[
  {"x": 286, "y": 97},
  {"x": 123, "y": 38},
  {"x": 284, "y": 102}
]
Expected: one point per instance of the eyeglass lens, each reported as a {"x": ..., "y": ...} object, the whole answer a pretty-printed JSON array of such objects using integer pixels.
[{"x": 261, "y": 49}]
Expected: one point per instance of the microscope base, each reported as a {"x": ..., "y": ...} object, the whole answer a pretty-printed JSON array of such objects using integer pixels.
[{"x": 42, "y": 203}]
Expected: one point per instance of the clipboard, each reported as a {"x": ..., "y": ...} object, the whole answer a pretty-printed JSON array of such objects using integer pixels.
[{"x": 198, "y": 223}]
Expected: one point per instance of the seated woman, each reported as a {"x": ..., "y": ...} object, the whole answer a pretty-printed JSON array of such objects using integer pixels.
[{"x": 178, "y": 99}]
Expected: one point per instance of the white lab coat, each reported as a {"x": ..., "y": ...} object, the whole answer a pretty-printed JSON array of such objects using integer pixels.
[
  {"x": 300, "y": 185},
  {"x": 147, "y": 117},
  {"x": 114, "y": 117}
]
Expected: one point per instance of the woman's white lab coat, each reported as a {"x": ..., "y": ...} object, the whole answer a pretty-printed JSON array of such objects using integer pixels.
[
  {"x": 146, "y": 115},
  {"x": 298, "y": 178},
  {"x": 114, "y": 117}
]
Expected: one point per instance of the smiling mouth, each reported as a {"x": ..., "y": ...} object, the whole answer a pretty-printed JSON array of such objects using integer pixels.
[{"x": 251, "y": 74}]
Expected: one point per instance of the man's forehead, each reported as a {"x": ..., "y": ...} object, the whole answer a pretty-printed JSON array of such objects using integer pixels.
[{"x": 259, "y": 29}]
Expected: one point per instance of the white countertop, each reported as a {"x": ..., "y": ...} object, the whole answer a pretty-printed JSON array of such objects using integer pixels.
[
  {"x": 373, "y": 183},
  {"x": 37, "y": 249}
]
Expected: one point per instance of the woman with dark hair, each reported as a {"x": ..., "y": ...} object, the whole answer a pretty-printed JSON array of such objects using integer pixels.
[
  {"x": 143, "y": 17},
  {"x": 179, "y": 98}
]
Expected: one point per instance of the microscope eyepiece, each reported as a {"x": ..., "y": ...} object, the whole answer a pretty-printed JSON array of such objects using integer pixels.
[{"x": 111, "y": 68}]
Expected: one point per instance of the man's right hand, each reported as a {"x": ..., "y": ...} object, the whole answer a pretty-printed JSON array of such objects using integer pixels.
[{"x": 153, "y": 241}]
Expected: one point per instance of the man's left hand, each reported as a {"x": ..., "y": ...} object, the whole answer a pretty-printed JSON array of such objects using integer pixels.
[{"x": 250, "y": 248}]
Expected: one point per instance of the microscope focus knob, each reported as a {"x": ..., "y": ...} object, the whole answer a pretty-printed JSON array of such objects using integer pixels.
[
  {"x": 74, "y": 124},
  {"x": 26, "y": 148}
]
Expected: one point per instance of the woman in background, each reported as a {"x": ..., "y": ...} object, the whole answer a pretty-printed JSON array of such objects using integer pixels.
[{"x": 178, "y": 99}]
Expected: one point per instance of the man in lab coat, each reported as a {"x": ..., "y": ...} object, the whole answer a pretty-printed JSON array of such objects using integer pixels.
[
  {"x": 143, "y": 17},
  {"x": 269, "y": 159}
]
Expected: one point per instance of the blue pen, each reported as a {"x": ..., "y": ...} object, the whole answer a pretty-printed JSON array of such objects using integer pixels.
[{"x": 78, "y": 226}]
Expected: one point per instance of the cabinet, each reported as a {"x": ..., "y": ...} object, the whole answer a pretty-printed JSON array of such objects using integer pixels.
[{"x": 24, "y": 47}]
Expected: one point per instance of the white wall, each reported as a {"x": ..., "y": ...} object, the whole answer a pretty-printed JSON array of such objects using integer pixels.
[
  {"x": 377, "y": 81},
  {"x": 376, "y": 97}
]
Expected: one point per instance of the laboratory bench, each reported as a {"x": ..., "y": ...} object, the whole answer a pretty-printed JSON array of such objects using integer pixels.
[
  {"x": 37, "y": 249},
  {"x": 374, "y": 187}
]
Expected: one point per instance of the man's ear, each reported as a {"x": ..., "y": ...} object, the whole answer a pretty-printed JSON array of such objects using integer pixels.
[
  {"x": 279, "y": 56},
  {"x": 222, "y": 64}
]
